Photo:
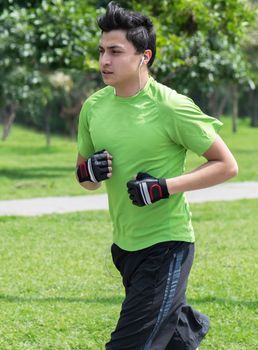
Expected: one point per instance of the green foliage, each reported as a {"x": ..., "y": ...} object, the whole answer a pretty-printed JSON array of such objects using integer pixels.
[
  {"x": 199, "y": 47},
  {"x": 35, "y": 42},
  {"x": 199, "y": 42},
  {"x": 54, "y": 34},
  {"x": 251, "y": 46}
]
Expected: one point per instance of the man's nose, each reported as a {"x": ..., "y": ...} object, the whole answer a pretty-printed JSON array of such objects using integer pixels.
[{"x": 105, "y": 59}]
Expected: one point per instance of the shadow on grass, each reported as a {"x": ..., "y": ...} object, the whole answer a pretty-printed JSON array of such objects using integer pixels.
[
  {"x": 35, "y": 173},
  {"x": 246, "y": 151},
  {"x": 29, "y": 150},
  {"x": 250, "y": 304},
  {"x": 17, "y": 299},
  {"x": 118, "y": 300}
]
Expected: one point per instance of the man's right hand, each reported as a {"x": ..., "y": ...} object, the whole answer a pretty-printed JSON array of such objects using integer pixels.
[{"x": 96, "y": 168}]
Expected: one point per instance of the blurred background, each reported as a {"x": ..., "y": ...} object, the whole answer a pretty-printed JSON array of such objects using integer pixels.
[
  {"x": 207, "y": 50},
  {"x": 49, "y": 51},
  {"x": 59, "y": 288}
]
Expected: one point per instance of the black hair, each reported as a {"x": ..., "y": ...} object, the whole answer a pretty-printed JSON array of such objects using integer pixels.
[{"x": 139, "y": 28}]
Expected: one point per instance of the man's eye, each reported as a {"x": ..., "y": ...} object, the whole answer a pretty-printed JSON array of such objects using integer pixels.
[{"x": 115, "y": 52}]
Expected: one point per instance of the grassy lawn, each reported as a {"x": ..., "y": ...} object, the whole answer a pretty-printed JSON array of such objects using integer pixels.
[
  {"x": 60, "y": 291},
  {"x": 30, "y": 169},
  {"x": 243, "y": 145}
]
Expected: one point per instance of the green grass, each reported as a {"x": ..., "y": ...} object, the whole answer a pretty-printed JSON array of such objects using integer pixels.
[
  {"x": 60, "y": 291},
  {"x": 243, "y": 145},
  {"x": 30, "y": 169}
]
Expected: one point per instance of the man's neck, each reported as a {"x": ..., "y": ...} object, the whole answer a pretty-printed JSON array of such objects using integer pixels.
[{"x": 132, "y": 88}]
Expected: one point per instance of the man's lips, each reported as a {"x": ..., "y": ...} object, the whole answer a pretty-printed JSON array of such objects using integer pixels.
[{"x": 106, "y": 72}]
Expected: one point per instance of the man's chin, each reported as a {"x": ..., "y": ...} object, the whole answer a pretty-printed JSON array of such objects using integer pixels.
[{"x": 109, "y": 82}]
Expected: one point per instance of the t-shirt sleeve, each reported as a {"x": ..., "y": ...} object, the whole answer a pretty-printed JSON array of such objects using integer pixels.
[
  {"x": 84, "y": 142},
  {"x": 189, "y": 126}
]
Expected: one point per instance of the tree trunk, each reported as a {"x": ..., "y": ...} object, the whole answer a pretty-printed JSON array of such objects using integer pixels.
[
  {"x": 254, "y": 109},
  {"x": 47, "y": 126},
  {"x": 9, "y": 115},
  {"x": 221, "y": 105},
  {"x": 212, "y": 102},
  {"x": 70, "y": 115},
  {"x": 234, "y": 107}
]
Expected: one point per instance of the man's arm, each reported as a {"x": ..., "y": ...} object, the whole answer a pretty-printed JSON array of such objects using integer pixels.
[
  {"x": 92, "y": 186},
  {"x": 220, "y": 167}
]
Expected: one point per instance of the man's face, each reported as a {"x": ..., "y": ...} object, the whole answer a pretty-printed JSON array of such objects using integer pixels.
[{"x": 118, "y": 60}]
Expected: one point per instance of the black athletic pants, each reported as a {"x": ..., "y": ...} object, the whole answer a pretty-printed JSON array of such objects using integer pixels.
[{"x": 154, "y": 314}]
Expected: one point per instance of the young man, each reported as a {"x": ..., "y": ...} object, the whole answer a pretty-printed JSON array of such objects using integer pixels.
[{"x": 134, "y": 133}]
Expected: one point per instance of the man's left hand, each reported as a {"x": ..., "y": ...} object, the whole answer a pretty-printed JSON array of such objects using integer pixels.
[{"x": 146, "y": 189}]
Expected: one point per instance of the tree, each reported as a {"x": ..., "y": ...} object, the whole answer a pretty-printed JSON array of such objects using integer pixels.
[
  {"x": 199, "y": 47},
  {"x": 199, "y": 51},
  {"x": 250, "y": 46},
  {"x": 39, "y": 40}
]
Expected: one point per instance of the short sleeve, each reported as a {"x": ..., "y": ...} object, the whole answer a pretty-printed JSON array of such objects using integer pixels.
[
  {"x": 84, "y": 142},
  {"x": 189, "y": 126}
]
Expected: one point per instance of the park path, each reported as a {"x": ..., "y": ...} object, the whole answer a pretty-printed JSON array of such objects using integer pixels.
[{"x": 50, "y": 205}]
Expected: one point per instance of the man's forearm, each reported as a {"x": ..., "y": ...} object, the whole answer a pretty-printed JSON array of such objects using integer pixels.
[
  {"x": 91, "y": 186},
  {"x": 88, "y": 185},
  {"x": 209, "y": 174}
]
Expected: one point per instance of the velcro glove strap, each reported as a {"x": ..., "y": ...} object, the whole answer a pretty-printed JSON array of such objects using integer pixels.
[
  {"x": 94, "y": 169},
  {"x": 146, "y": 189}
]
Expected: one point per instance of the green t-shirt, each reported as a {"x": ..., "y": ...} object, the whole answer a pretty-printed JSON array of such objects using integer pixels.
[{"x": 149, "y": 132}]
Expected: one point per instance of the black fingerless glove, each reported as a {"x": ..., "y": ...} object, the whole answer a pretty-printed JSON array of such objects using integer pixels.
[
  {"x": 146, "y": 189},
  {"x": 94, "y": 169}
]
